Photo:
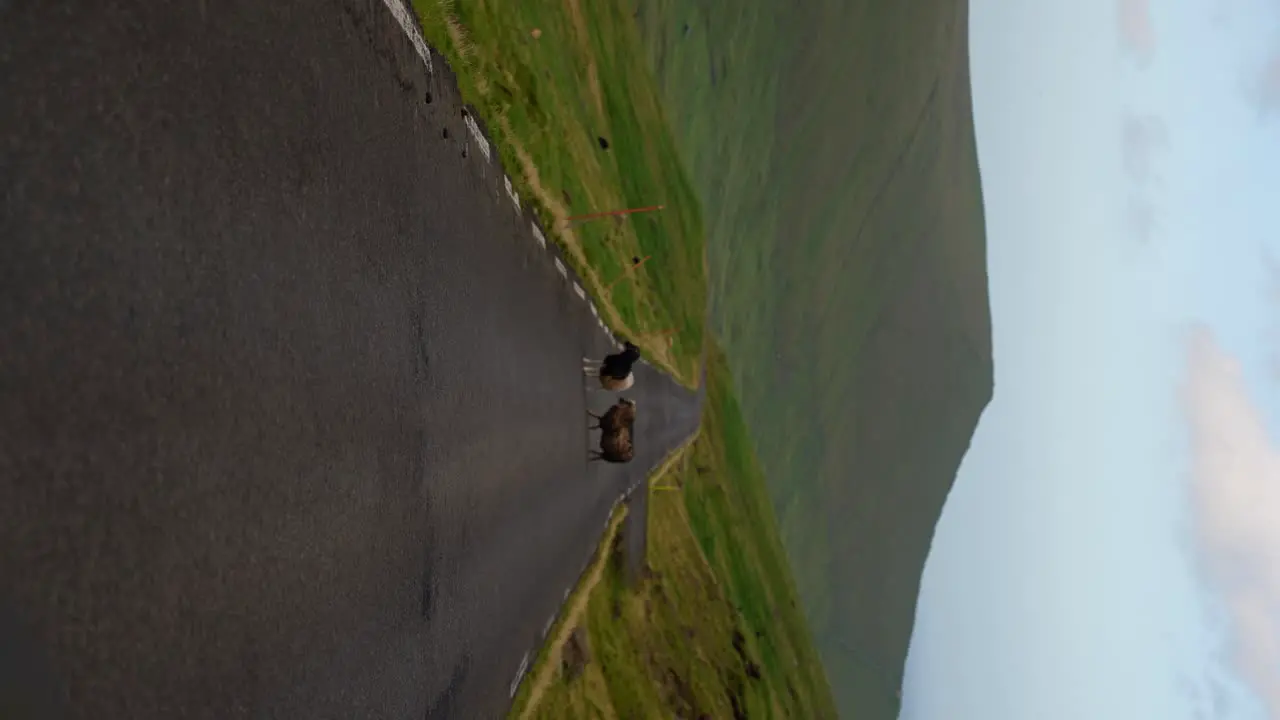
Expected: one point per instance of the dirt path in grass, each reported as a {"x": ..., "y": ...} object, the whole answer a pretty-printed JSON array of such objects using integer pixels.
[{"x": 546, "y": 669}]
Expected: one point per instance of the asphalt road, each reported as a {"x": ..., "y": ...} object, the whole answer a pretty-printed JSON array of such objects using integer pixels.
[{"x": 292, "y": 421}]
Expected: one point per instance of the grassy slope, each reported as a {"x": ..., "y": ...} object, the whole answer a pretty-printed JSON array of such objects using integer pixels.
[
  {"x": 717, "y": 65},
  {"x": 835, "y": 139},
  {"x": 545, "y": 102},
  {"x": 719, "y": 600}
]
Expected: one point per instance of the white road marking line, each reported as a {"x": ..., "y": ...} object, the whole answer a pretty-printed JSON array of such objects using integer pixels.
[
  {"x": 524, "y": 665},
  {"x": 560, "y": 267},
  {"x": 566, "y": 594},
  {"x": 547, "y": 627},
  {"x": 410, "y": 28},
  {"x": 578, "y": 289},
  {"x": 474, "y": 128},
  {"x": 511, "y": 192},
  {"x": 537, "y": 235}
]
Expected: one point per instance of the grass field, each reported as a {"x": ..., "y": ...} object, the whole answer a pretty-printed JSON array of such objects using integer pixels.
[
  {"x": 546, "y": 101},
  {"x": 720, "y": 604},
  {"x": 833, "y": 143},
  {"x": 714, "y": 629},
  {"x": 718, "y": 67}
]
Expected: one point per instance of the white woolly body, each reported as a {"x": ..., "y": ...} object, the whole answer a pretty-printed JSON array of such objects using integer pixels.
[{"x": 617, "y": 385}]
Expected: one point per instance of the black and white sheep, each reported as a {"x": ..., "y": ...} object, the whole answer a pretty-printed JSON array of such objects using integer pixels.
[{"x": 614, "y": 372}]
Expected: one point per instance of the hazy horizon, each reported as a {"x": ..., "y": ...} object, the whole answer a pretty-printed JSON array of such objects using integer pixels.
[{"x": 1110, "y": 549}]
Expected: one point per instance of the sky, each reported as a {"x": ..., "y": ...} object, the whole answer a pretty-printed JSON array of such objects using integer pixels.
[{"x": 1111, "y": 548}]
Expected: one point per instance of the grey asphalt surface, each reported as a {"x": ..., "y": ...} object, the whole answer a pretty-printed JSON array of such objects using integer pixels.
[{"x": 292, "y": 420}]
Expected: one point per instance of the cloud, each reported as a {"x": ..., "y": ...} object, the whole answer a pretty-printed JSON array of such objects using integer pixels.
[
  {"x": 1137, "y": 32},
  {"x": 1206, "y": 695},
  {"x": 1220, "y": 13},
  {"x": 1235, "y": 485},
  {"x": 1142, "y": 137},
  {"x": 1266, "y": 85},
  {"x": 1141, "y": 218},
  {"x": 1271, "y": 265}
]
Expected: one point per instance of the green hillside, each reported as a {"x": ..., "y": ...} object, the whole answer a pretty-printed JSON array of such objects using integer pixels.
[
  {"x": 715, "y": 628},
  {"x": 832, "y": 144}
]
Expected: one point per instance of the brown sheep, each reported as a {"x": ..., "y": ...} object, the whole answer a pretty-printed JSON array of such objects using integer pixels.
[
  {"x": 615, "y": 447},
  {"x": 616, "y": 427},
  {"x": 620, "y": 414}
]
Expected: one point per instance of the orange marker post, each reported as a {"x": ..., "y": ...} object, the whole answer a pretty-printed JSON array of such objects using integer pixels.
[
  {"x": 628, "y": 272},
  {"x": 593, "y": 216}
]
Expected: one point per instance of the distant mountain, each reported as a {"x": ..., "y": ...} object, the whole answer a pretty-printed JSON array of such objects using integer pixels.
[{"x": 832, "y": 142}]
